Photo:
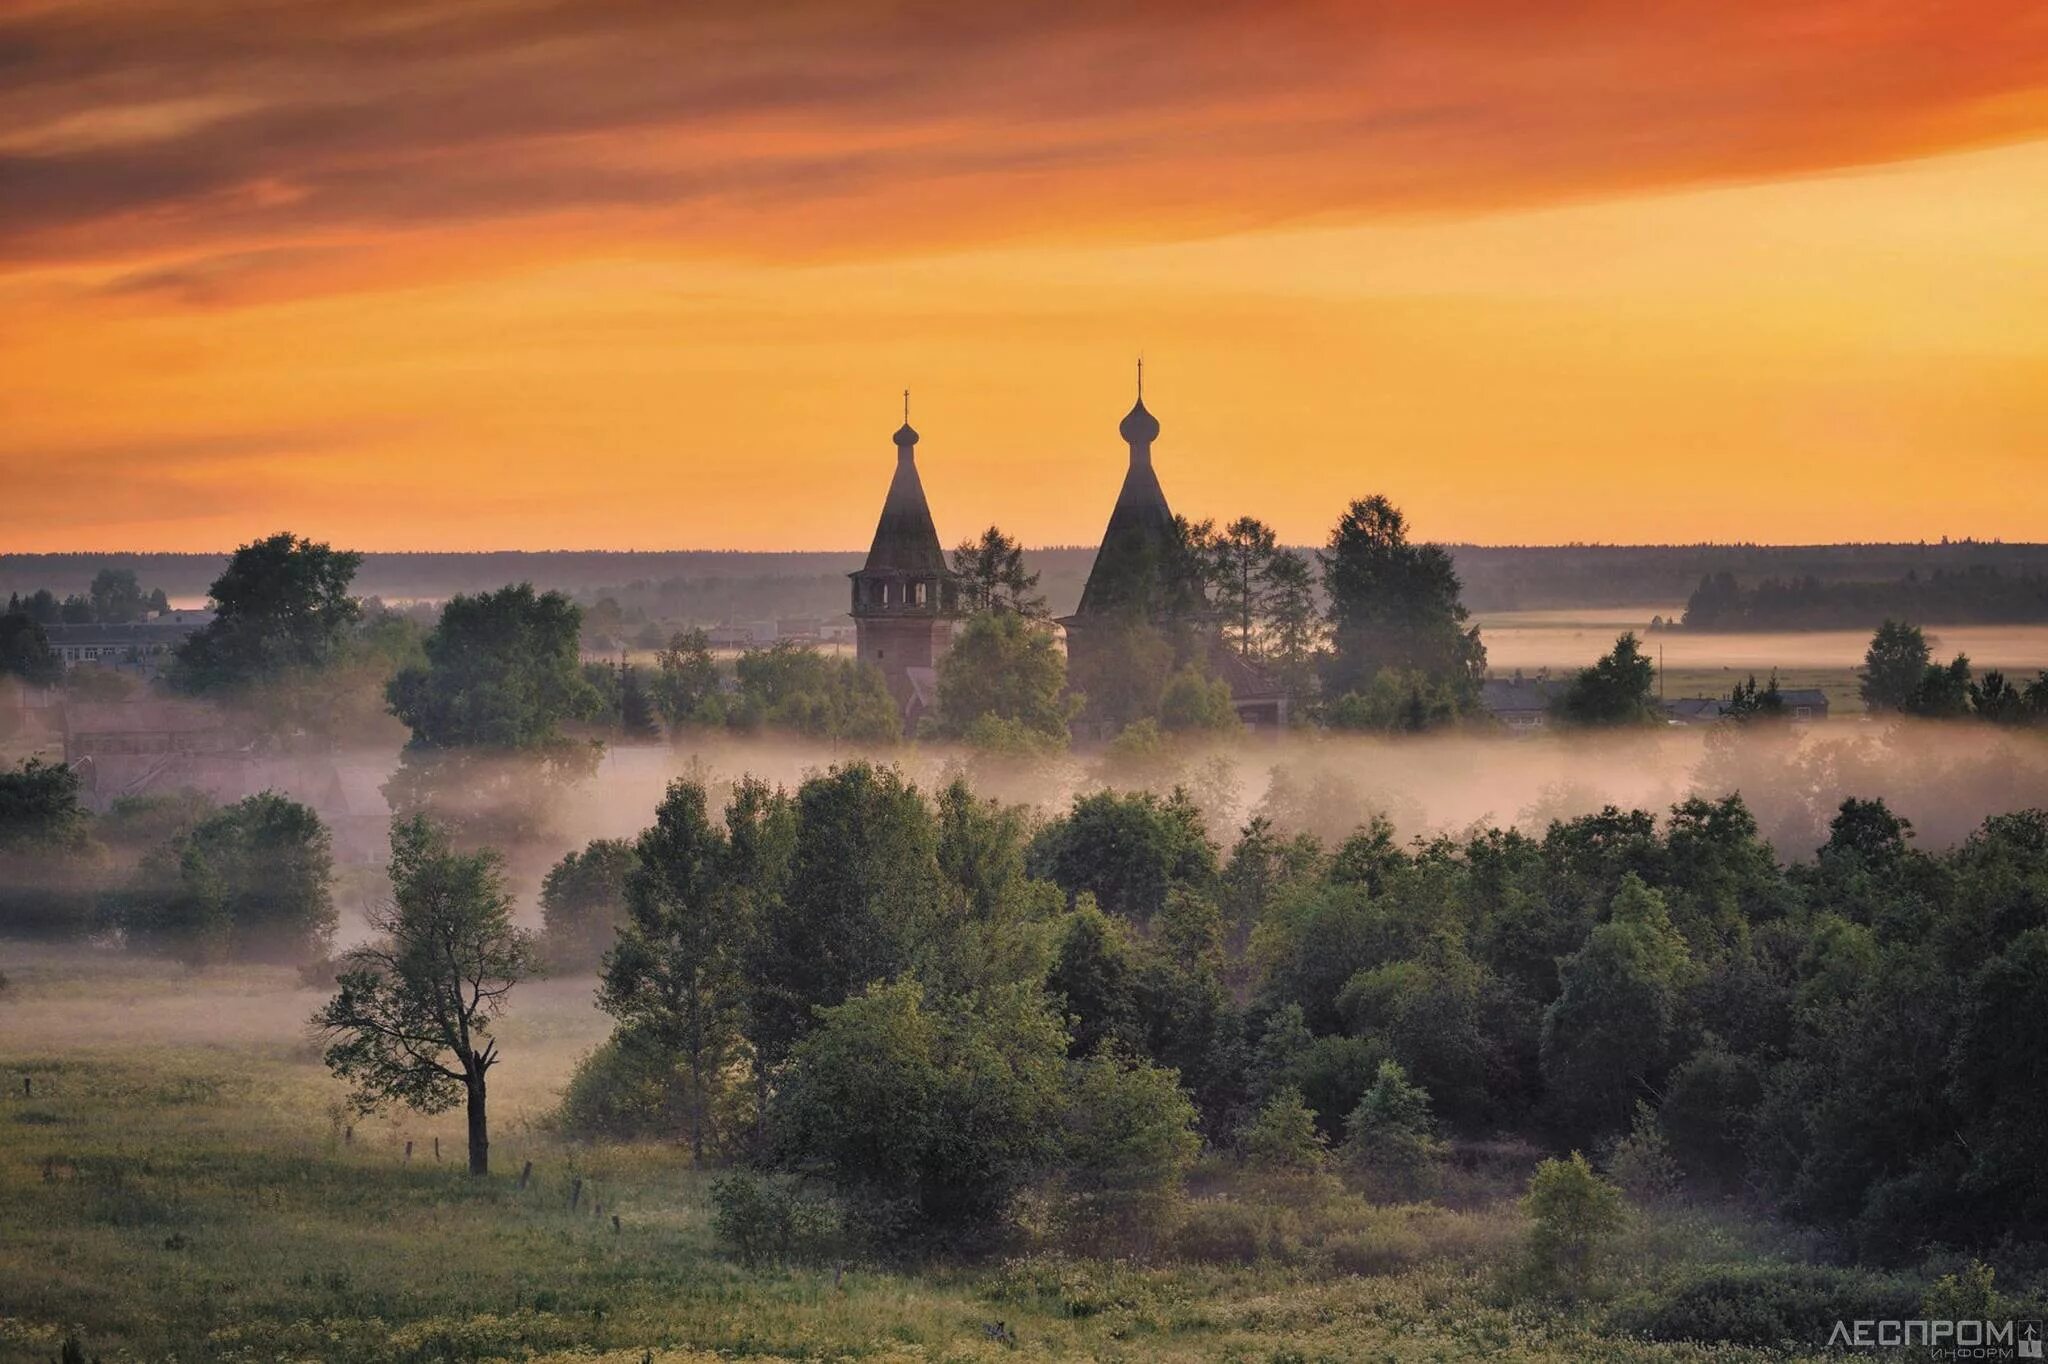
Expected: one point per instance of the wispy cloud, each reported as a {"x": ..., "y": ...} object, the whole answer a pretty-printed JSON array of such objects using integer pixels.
[{"x": 814, "y": 128}]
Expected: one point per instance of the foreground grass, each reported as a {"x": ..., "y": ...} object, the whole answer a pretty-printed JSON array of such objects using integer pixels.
[{"x": 194, "y": 1193}]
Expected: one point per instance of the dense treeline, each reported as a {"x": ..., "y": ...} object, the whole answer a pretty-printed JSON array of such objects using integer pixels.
[
  {"x": 703, "y": 586},
  {"x": 921, "y": 999},
  {"x": 1978, "y": 595}
]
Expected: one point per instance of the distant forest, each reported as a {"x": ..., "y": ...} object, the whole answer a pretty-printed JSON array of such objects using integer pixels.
[
  {"x": 1978, "y": 595},
  {"x": 708, "y": 586}
]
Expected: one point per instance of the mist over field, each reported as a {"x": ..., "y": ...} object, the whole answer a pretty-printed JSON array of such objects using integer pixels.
[{"x": 1944, "y": 778}]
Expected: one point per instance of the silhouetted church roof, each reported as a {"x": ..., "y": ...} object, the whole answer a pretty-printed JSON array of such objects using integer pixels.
[
  {"x": 906, "y": 541},
  {"x": 1140, "y": 536}
]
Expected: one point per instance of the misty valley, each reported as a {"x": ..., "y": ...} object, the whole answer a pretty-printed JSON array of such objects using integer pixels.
[{"x": 1264, "y": 959}]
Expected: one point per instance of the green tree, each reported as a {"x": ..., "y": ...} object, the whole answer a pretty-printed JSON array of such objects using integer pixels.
[
  {"x": 1194, "y": 702},
  {"x": 1123, "y": 676},
  {"x": 1396, "y": 701},
  {"x": 281, "y": 605},
  {"x": 1748, "y": 702},
  {"x": 1641, "y": 1162},
  {"x": 1094, "y": 979},
  {"x": 1005, "y": 667},
  {"x": 1894, "y": 666},
  {"x": 25, "y": 652},
  {"x": 116, "y": 597},
  {"x": 39, "y": 807},
  {"x": 1129, "y": 1143},
  {"x": 1239, "y": 558},
  {"x": 583, "y": 903},
  {"x": 1998, "y": 701},
  {"x": 1293, "y": 623},
  {"x": 1282, "y": 1137},
  {"x": 1575, "y": 1216},
  {"x": 1608, "y": 1036},
  {"x": 686, "y": 686},
  {"x": 45, "y": 840},
  {"x": 1128, "y": 851},
  {"x": 1709, "y": 1111},
  {"x": 250, "y": 881},
  {"x": 1392, "y": 604},
  {"x": 411, "y": 1020},
  {"x": 861, "y": 902},
  {"x": 1391, "y": 1135},
  {"x": 503, "y": 671},
  {"x": 1620, "y": 689},
  {"x": 992, "y": 569},
  {"x": 488, "y": 708},
  {"x": 943, "y": 1110},
  {"x": 1998, "y": 1077},
  {"x": 638, "y": 719},
  {"x": 676, "y": 972},
  {"x": 1943, "y": 693},
  {"x": 790, "y": 686}
]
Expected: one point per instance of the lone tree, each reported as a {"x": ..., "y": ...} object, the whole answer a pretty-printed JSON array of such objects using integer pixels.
[
  {"x": 411, "y": 1021},
  {"x": 1620, "y": 689},
  {"x": 281, "y": 604},
  {"x": 996, "y": 578},
  {"x": 1393, "y": 604},
  {"x": 1894, "y": 666}
]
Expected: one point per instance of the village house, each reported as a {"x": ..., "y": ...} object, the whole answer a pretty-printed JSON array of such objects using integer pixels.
[{"x": 143, "y": 646}]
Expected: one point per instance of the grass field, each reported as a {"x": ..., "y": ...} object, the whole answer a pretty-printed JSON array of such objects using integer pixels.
[{"x": 180, "y": 1183}]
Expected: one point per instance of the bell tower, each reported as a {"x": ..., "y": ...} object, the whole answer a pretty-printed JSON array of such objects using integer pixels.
[{"x": 905, "y": 597}]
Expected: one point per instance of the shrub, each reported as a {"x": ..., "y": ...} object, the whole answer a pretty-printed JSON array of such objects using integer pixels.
[
  {"x": 622, "y": 1089},
  {"x": 950, "y": 1108},
  {"x": 1130, "y": 1141},
  {"x": 1391, "y": 1137},
  {"x": 249, "y": 880},
  {"x": 1641, "y": 1162},
  {"x": 1222, "y": 1231},
  {"x": 1576, "y": 1214},
  {"x": 772, "y": 1220},
  {"x": 1965, "y": 1295},
  {"x": 1763, "y": 1305},
  {"x": 1283, "y": 1138}
]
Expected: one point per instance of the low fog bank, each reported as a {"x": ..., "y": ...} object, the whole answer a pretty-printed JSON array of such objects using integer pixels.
[
  {"x": 1945, "y": 778},
  {"x": 1574, "y": 639}
]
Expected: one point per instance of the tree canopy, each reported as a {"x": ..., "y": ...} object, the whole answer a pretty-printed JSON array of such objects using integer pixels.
[
  {"x": 281, "y": 604},
  {"x": 1392, "y": 604}
]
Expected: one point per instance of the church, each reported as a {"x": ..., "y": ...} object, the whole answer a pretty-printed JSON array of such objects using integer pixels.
[{"x": 907, "y": 599}]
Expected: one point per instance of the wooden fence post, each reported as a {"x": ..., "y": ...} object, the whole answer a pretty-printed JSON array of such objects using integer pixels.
[
  {"x": 408, "y": 1153},
  {"x": 525, "y": 1175},
  {"x": 576, "y": 1194}
]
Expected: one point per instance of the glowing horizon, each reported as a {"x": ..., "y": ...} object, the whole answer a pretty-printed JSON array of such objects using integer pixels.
[{"x": 514, "y": 275}]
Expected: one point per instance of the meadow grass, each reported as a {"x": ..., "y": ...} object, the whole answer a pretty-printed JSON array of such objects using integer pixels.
[{"x": 179, "y": 1182}]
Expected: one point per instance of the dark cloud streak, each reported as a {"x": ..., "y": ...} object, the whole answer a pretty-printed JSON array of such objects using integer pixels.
[{"x": 726, "y": 119}]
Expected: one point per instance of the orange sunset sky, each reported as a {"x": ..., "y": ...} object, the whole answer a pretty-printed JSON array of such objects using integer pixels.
[{"x": 507, "y": 273}]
